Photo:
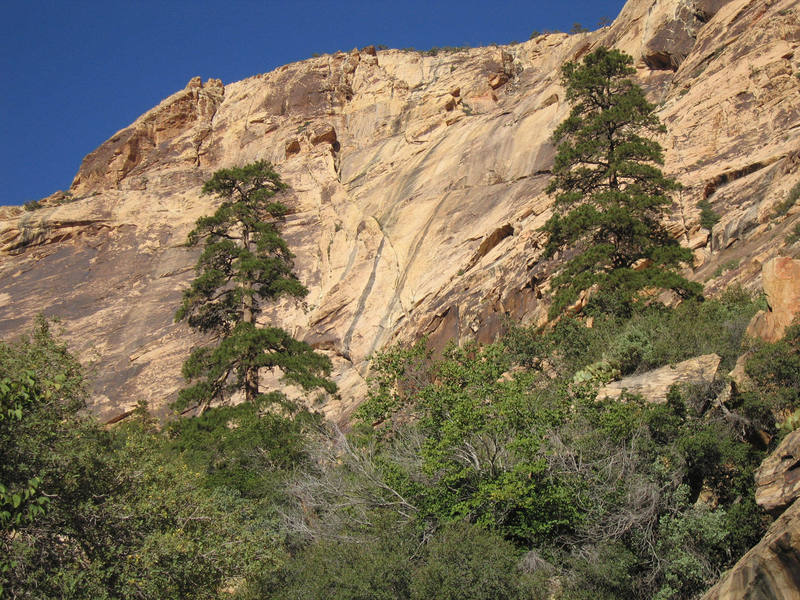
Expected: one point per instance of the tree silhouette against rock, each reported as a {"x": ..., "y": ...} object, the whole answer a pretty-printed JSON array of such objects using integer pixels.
[
  {"x": 610, "y": 195},
  {"x": 245, "y": 264}
]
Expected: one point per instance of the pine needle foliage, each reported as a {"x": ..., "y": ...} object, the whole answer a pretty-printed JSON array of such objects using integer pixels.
[
  {"x": 245, "y": 264},
  {"x": 610, "y": 195}
]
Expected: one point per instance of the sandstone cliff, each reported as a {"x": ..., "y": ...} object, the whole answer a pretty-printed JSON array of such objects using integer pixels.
[{"x": 417, "y": 186}]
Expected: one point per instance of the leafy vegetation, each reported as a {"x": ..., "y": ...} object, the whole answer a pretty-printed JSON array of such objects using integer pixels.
[
  {"x": 708, "y": 218},
  {"x": 791, "y": 198},
  {"x": 610, "y": 195},
  {"x": 244, "y": 264},
  {"x": 55, "y": 200},
  {"x": 487, "y": 472},
  {"x": 794, "y": 235}
]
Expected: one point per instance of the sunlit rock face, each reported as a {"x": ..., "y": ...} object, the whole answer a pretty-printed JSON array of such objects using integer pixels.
[{"x": 417, "y": 190}]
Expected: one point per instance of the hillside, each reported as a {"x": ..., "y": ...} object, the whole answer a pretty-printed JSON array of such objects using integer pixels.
[
  {"x": 637, "y": 455},
  {"x": 417, "y": 186}
]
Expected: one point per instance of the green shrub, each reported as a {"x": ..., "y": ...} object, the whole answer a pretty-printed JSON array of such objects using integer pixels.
[
  {"x": 726, "y": 266},
  {"x": 708, "y": 218},
  {"x": 465, "y": 562},
  {"x": 242, "y": 447},
  {"x": 652, "y": 337},
  {"x": 791, "y": 198},
  {"x": 32, "y": 205},
  {"x": 775, "y": 369},
  {"x": 373, "y": 567},
  {"x": 794, "y": 236}
]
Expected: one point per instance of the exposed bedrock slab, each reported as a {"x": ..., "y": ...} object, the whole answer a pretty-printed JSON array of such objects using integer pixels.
[
  {"x": 417, "y": 187},
  {"x": 770, "y": 570},
  {"x": 778, "y": 477},
  {"x": 654, "y": 385}
]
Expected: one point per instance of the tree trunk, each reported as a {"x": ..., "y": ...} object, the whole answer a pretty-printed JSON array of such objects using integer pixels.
[{"x": 248, "y": 316}]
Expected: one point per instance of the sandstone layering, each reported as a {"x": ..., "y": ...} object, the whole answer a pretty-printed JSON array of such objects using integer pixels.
[
  {"x": 417, "y": 187},
  {"x": 417, "y": 191}
]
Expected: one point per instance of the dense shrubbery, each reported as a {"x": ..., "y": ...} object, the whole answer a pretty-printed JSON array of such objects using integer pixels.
[
  {"x": 487, "y": 472},
  {"x": 121, "y": 513}
]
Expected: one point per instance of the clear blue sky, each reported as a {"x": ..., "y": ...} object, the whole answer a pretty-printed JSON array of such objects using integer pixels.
[{"x": 74, "y": 72}]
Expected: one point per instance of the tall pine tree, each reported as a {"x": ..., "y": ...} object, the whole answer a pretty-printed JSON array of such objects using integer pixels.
[
  {"x": 611, "y": 196},
  {"x": 244, "y": 265}
]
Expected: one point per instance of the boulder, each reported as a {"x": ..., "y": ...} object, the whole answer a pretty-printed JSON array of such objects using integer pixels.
[
  {"x": 778, "y": 477},
  {"x": 781, "y": 281},
  {"x": 323, "y": 133},
  {"x": 654, "y": 385}
]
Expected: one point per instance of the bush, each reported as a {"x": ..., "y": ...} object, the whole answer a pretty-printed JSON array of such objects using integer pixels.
[
  {"x": 124, "y": 517},
  {"x": 652, "y": 337},
  {"x": 375, "y": 566},
  {"x": 708, "y": 218},
  {"x": 775, "y": 370},
  {"x": 465, "y": 562},
  {"x": 794, "y": 236},
  {"x": 791, "y": 198},
  {"x": 242, "y": 447}
]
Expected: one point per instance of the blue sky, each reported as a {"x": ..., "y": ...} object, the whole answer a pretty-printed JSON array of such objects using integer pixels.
[{"x": 74, "y": 72}]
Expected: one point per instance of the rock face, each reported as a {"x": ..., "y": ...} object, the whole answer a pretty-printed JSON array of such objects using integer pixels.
[
  {"x": 781, "y": 281},
  {"x": 771, "y": 570},
  {"x": 673, "y": 29},
  {"x": 778, "y": 477},
  {"x": 654, "y": 385},
  {"x": 416, "y": 185}
]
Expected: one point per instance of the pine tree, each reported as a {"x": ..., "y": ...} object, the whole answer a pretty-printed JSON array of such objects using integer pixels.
[
  {"x": 611, "y": 196},
  {"x": 245, "y": 264}
]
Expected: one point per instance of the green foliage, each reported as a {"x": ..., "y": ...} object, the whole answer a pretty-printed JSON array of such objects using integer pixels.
[
  {"x": 397, "y": 375},
  {"x": 41, "y": 388},
  {"x": 458, "y": 562},
  {"x": 62, "y": 198},
  {"x": 652, "y": 337},
  {"x": 244, "y": 263},
  {"x": 482, "y": 433},
  {"x": 794, "y": 235},
  {"x": 464, "y": 562},
  {"x": 693, "y": 542},
  {"x": 708, "y": 218},
  {"x": 609, "y": 491},
  {"x": 775, "y": 370},
  {"x": 536, "y": 33},
  {"x": 244, "y": 447},
  {"x": 791, "y": 198},
  {"x": 371, "y": 568},
  {"x": 124, "y": 516},
  {"x": 610, "y": 193},
  {"x": 436, "y": 50},
  {"x": 578, "y": 28}
]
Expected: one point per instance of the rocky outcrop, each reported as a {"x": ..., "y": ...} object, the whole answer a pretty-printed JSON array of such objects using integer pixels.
[
  {"x": 654, "y": 385},
  {"x": 417, "y": 191},
  {"x": 174, "y": 131},
  {"x": 778, "y": 477},
  {"x": 780, "y": 279},
  {"x": 673, "y": 29},
  {"x": 771, "y": 570}
]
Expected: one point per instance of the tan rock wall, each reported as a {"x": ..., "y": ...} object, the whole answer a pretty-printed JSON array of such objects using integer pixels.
[{"x": 417, "y": 186}]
